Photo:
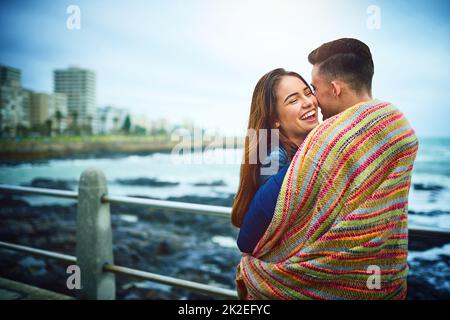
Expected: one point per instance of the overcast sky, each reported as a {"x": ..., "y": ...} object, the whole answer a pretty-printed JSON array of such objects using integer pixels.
[{"x": 200, "y": 60}]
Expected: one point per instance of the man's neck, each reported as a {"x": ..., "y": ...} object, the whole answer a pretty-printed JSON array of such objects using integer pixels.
[{"x": 355, "y": 98}]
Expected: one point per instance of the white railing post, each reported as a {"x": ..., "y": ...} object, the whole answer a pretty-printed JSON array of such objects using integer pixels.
[{"x": 94, "y": 238}]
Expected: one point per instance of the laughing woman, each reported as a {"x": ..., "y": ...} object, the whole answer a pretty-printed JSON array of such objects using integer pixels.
[{"x": 281, "y": 100}]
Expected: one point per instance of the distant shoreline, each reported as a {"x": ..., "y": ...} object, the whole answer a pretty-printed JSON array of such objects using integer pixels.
[{"x": 26, "y": 150}]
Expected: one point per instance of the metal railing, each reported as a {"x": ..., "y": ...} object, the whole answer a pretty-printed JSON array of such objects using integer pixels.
[
  {"x": 94, "y": 237},
  {"x": 94, "y": 253},
  {"x": 107, "y": 267}
]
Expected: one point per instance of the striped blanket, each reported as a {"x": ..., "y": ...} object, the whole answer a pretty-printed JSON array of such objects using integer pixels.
[{"x": 339, "y": 229}]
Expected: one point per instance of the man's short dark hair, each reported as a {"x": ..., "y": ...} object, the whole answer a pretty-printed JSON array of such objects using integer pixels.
[{"x": 346, "y": 59}]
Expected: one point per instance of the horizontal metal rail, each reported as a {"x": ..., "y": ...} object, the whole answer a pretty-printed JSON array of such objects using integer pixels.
[
  {"x": 38, "y": 252},
  {"x": 185, "y": 284},
  {"x": 218, "y": 211},
  {"x": 39, "y": 191}
]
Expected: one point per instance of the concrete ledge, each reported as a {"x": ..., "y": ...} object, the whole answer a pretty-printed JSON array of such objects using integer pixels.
[{"x": 13, "y": 290}]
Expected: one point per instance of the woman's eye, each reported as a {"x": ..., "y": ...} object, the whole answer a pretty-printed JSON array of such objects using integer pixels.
[{"x": 293, "y": 101}]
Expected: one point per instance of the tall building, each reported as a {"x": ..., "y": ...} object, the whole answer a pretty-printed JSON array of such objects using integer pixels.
[
  {"x": 48, "y": 110},
  {"x": 10, "y": 76},
  {"x": 14, "y": 112},
  {"x": 39, "y": 108},
  {"x": 79, "y": 85}
]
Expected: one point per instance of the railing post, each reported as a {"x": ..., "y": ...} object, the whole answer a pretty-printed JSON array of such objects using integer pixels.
[{"x": 94, "y": 238}]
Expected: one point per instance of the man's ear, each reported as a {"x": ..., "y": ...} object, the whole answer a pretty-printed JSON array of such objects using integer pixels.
[{"x": 337, "y": 88}]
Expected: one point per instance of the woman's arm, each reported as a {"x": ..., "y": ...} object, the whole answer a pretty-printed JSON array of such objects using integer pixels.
[{"x": 260, "y": 212}]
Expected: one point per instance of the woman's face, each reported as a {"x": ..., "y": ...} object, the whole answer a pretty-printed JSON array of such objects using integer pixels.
[{"x": 296, "y": 107}]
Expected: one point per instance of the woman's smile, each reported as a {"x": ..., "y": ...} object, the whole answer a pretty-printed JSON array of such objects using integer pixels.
[{"x": 309, "y": 116}]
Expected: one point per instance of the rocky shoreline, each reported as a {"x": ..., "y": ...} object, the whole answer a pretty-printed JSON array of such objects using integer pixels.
[
  {"x": 169, "y": 243},
  {"x": 186, "y": 246},
  {"x": 14, "y": 152}
]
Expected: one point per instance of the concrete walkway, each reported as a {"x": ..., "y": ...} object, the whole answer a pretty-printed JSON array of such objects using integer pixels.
[{"x": 13, "y": 290}]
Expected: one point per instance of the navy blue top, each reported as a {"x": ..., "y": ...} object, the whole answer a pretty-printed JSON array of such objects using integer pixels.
[
  {"x": 260, "y": 212},
  {"x": 276, "y": 160}
]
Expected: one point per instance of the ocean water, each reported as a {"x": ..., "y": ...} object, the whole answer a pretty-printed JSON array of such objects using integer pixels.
[
  {"x": 429, "y": 201},
  {"x": 429, "y": 198},
  {"x": 184, "y": 170}
]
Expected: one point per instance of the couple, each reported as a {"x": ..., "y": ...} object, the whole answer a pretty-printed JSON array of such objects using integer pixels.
[{"x": 331, "y": 222}]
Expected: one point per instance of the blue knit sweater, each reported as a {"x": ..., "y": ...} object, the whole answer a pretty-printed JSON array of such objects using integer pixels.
[{"x": 262, "y": 207}]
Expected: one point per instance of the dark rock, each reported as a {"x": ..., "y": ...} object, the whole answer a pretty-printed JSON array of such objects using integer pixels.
[
  {"x": 419, "y": 289},
  {"x": 432, "y": 213},
  {"x": 165, "y": 248},
  {"x": 14, "y": 230},
  {"x": 422, "y": 244},
  {"x": 69, "y": 185},
  {"x": 216, "y": 183},
  {"x": 427, "y": 187},
  {"x": 9, "y": 200},
  {"x": 149, "y": 182},
  {"x": 162, "y": 241}
]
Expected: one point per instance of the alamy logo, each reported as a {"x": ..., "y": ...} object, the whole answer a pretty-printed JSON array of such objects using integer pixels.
[
  {"x": 73, "y": 22},
  {"x": 74, "y": 280},
  {"x": 374, "y": 280},
  {"x": 374, "y": 20}
]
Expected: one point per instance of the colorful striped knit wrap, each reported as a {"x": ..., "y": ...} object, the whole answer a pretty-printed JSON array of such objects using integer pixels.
[{"x": 341, "y": 214}]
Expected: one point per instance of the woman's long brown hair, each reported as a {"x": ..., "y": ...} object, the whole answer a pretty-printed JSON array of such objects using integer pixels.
[{"x": 263, "y": 114}]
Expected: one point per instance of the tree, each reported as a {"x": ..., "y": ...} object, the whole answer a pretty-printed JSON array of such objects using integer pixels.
[
  {"x": 89, "y": 126},
  {"x": 140, "y": 130},
  {"x": 127, "y": 125},
  {"x": 75, "y": 121},
  {"x": 103, "y": 120},
  {"x": 59, "y": 116},
  {"x": 21, "y": 130},
  {"x": 48, "y": 126}
]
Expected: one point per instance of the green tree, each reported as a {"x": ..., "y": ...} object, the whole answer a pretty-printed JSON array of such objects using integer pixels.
[
  {"x": 103, "y": 120},
  {"x": 59, "y": 116},
  {"x": 48, "y": 126},
  {"x": 127, "y": 125},
  {"x": 75, "y": 122},
  {"x": 89, "y": 125},
  {"x": 21, "y": 130}
]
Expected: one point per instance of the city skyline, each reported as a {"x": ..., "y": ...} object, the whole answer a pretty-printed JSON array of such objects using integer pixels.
[
  {"x": 171, "y": 61},
  {"x": 70, "y": 107}
]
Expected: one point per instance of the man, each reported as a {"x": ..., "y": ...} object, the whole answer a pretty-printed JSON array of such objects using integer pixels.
[
  {"x": 342, "y": 75},
  {"x": 339, "y": 230}
]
